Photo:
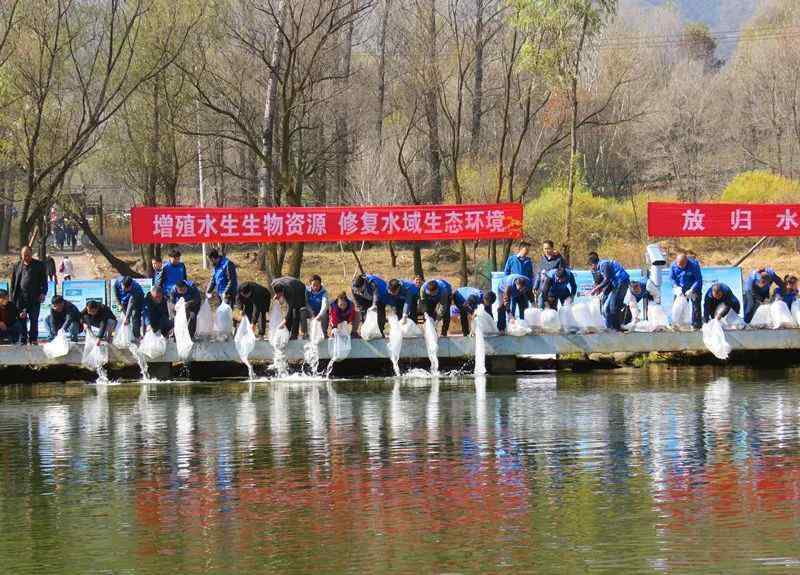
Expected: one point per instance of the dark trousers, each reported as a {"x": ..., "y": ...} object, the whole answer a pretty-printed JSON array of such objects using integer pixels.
[
  {"x": 413, "y": 309},
  {"x": 518, "y": 305},
  {"x": 134, "y": 315},
  {"x": 12, "y": 332},
  {"x": 614, "y": 306},
  {"x": 294, "y": 318},
  {"x": 751, "y": 304},
  {"x": 256, "y": 315},
  {"x": 72, "y": 328},
  {"x": 163, "y": 326},
  {"x": 697, "y": 309},
  {"x": 464, "y": 313},
  {"x": 502, "y": 321},
  {"x": 364, "y": 304},
  {"x": 431, "y": 310},
  {"x": 31, "y": 305}
]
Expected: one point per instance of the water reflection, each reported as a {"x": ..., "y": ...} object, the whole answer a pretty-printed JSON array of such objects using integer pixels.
[{"x": 625, "y": 471}]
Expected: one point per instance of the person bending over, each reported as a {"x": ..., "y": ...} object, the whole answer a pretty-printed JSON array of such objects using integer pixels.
[
  {"x": 63, "y": 315},
  {"x": 719, "y": 301}
]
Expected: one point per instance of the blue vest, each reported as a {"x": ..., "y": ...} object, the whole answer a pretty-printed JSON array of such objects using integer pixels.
[
  {"x": 689, "y": 278},
  {"x": 220, "y": 276},
  {"x": 315, "y": 299},
  {"x": 191, "y": 293},
  {"x": 462, "y": 295},
  {"x": 561, "y": 288},
  {"x": 519, "y": 265},
  {"x": 613, "y": 271},
  {"x": 442, "y": 294},
  {"x": 510, "y": 281},
  {"x": 125, "y": 296},
  {"x": 170, "y": 274},
  {"x": 751, "y": 284}
]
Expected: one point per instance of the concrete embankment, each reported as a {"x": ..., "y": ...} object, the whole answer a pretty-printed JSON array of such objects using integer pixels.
[{"x": 504, "y": 354}]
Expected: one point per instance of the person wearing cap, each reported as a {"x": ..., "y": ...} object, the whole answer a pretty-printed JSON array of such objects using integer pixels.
[
  {"x": 757, "y": 290},
  {"x": 371, "y": 292},
  {"x": 437, "y": 293},
  {"x": 292, "y": 291},
  {"x": 467, "y": 299},
  {"x": 614, "y": 282},
  {"x": 719, "y": 301},
  {"x": 155, "y": 313},
  {"x": 99, "y": 317},
  {"x": 63, "y": 315},
  {"x": 188, "y": 292},
  {"x": 559, "y": 287},
  {"x": 129, "y": 296},
  {"x": 223, "y": 278},
  {"x": 405, "y": 294},
  {"x": 253, "y": 299}
]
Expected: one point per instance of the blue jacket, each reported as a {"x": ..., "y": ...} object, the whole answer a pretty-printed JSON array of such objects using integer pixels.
[
  {"x": 613, "y": 273},
  {"x": 561, "y": 289},
  {"x": 545, "y": 265},
  {"x": 750, "y": 284},
  {"x": 443, "y": 294},
  {"x": 462, "y": 296},
  {"x": 406, "y": 295},
  {"x": 123, "y": 297},
  {"x": 508, "y": 284},
  {"x": 787, "y": 296},
  {"x": 519, "y": 265},
  {"x": 192, "y": 293},
  {"x": 689, "y": 278},
  {"x": 710, "y": 304},
  {"x": 223, "y": 278},
  {"x": 169, "y": 276},
  {"x": 374, "y": 289},
  {"x": 154, "y": 313},
  {"x": 315, "y": 299}
]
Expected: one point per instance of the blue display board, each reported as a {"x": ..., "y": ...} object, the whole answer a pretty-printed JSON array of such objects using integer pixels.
[
  {"x": 44, "y": 333},
  {"x": 81, "y": 291}
]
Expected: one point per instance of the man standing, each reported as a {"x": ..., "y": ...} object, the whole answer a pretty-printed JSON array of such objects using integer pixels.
[
  {"x": 67, "y": 269},
  {"x": 757, "y": 288},
  {"x": 293, "y": 292},
  {"x": 253, "y": 300},
  {"x": 223, "y": 278},
  {"x": 318, "y": 302},
  {"x": 520, "y": 263},
  {"x": 28, "y": 291},
  {"x": 130, "y": 299},
  {"x": 549, "y": 261},
  {"x": 171, "y": 272},
  {"x": 63, "y": 315},
  {"x": 614, "y": 283},
  {"x": 688, "y": 281}
]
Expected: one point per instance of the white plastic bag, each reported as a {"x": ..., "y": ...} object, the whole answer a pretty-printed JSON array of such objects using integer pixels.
[
  {"x": 567, "y": 319},
  {"x": 395, "y": 343},
  {"x": 205, "y": 320},
  {"x": 732, "y": 320},
  {"x": 681, "y": 313},
  {"x": 223, "y": 321},
  {"x": 95, "y": 353},
  {"x": 409, "y": 328},
  {"x": 485, "y": 322},
  {"x": 598, "y": 322},
  {"x": 796, "y": 311},
  {"x": 183, "y": 339},
  {"x": 517, "y": 328},
  {"x": 550, "y": 321},
  {"x": 714, "y": 339},
  {"x": 244, "y": 340},
  {"x": 432, "y": 343},
  {"x": 780, "y": 315},
  {"x": 59, "y": 347},
  {"x": 762, "y": 319},
  {"x": 278, "y": 336},
  {"x": 533, "y": 318},
  {"x": 369, "y": 329},
  {"x": 657, "y": 317},
  {"x": 339, "y": 344},
  {"x": 588, "y": 316},
  {"x": 123, "y": 336},
  {"x": 315, "y": 333},
  {"x": 154, "y": 345}
]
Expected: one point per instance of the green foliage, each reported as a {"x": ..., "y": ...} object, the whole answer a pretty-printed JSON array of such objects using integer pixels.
[
  {"x": 601, "y": 223},
  {"x": 761, "y": 187}
]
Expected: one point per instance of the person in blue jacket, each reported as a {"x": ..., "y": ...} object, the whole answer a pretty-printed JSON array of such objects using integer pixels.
[
  {"x": 614, "y": 284},
  {"x": 317, "y": 298},
  {"x": 520, "y": 263},
  {"x": 559, "y": 286},
  {"x": 405, "y": 295},
  {"x": 788, "y": 293},
  {"x": 370, "y": 291},
  {"x": 687, "y": 279},
  {"x": 171, "y": 272},
  {"x": 155, "y": 314},
  {"x": 190, "y": 294},
  {"x": 551, "y": 259},
  {"x": 437, "y": 293},
  {"x": 515, "y": 293},
  {"x": 467, "y": 299},
  {"x": 130, "y": 299},
  {"x": 757, "y": 290},
  {"x": 719, "y": 301},
  {"x": 223, "y": 278}
]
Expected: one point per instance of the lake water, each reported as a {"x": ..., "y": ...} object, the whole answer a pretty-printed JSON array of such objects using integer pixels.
[{"x": 654, "y": 470}]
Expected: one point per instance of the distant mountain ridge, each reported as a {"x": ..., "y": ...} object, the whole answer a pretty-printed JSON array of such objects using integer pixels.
[{"x": 720, "y": 15}]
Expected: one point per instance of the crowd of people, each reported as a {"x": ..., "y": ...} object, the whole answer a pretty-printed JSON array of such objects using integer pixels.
[{"x": 550, "y": 283}]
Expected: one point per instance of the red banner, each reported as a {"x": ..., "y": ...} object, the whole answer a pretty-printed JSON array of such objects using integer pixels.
[
  {"x": 722, "y": 220},
  {"x": 331, "y": 224}
]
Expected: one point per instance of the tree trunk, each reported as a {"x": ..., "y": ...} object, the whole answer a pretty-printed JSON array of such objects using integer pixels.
[
  {"x": 392, "y": 255},
  {"x": 146, "y": 252},
  {"x": 477, "y": 92},
  {"x": 341, "y": 133},
  {"x": 432, "y": 111},
  {"x": 296, "y": 261},
  {"x": 418, "y": 260},
  {"x": 382, "y": 73},
  {"x": 122, "y": 267},
  {"x": 5, "y": 222}
]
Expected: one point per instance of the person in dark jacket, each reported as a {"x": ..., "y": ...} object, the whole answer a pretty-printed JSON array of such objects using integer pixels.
[
  {"x": 405, "y": 296},
  {"x": 223, "y": 278},
  {"x": 467, "y": 299},
  {"x": 188, "y": 292},
  {"x": 757, "y": 290},
  {"x": 63, "y": 315},
  {"x": 614, "y": 284},
  {"x": 687, "y": 279},
  {"x": 130, "y": 299},
  {"x": 156, "y": 265},
  {"x": 99, "y": 316},
  {"x": 52, "y": 272},
  {"x": 317, "y": 297},
  {"x": 520, "y": 263},
  {"x": 172, "y": 272},
  {"x": 371, "y": 291},
  {"x": 787, "y": 293},
  {"x": 293, "y": 292},
  {"x": 515, "y": 293},
  {"x": 549, "y": 261},
  {"x": 28, "y": 292},
  {"x": 155, "y": 313},
  {"x": 719, "y": 301},
  {"x": 344, "y": 311},
  {"x": 253, "y": 299},
  {"x": 10, "y": 325},
  {"x": 559, "y": 286},
  {"x": 437, "y": 293}
]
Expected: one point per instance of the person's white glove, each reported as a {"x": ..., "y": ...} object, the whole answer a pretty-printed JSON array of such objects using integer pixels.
[
  {"x": 568, "y": 301},
  {"x": 676, "y": 291}
]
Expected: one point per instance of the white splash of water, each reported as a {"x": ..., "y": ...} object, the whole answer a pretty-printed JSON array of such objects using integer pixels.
[
  {"x": 432, "y": 343},
  {"x": 395, "y": 343}
]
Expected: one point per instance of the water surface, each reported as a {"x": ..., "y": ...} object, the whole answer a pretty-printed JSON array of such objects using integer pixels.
[{"x": 662, "y": 470}]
